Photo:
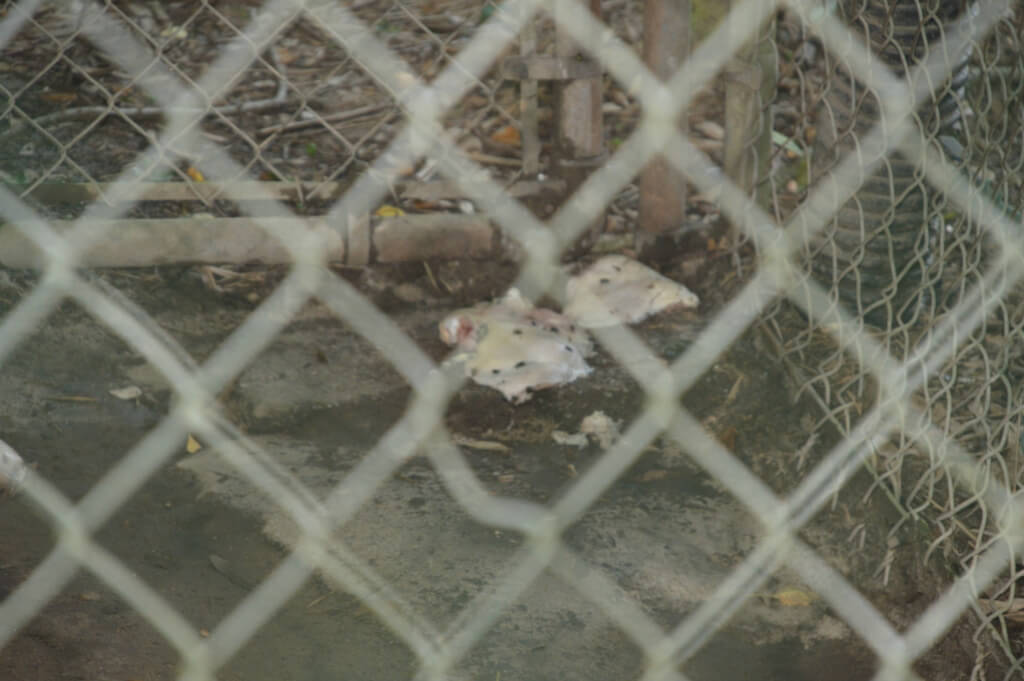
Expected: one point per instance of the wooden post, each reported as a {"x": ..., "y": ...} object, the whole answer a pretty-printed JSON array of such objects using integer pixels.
[
  {"x": 580, "y": 136},
  {"x": 529, "y": 132},
  {"x": 662, "y": 189},
  {"x": 749, "y": 87}
]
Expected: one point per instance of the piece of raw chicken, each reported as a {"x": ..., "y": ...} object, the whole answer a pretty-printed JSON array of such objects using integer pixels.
[
  {"x": 516, "y": 348},
  {"x": 617, "y": 290}
]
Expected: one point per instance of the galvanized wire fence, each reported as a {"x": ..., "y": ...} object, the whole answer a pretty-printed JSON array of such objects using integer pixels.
[{"x": 934, "y": 411}]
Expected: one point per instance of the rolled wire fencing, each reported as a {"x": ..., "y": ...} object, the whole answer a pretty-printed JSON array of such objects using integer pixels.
[{"x": 918, "y": 266}]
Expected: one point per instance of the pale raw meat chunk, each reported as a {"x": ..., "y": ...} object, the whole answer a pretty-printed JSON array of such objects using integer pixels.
[
  {"x": 517, "y": 349},
  {"x": 616, "y": 290}
]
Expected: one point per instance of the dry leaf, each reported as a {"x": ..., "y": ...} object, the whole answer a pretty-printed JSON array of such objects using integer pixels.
[
  {"x": 284, "y": 55},
  {"x": 794, "y": 598},
  {"x": 194, "y": 174},
  {"x": 710, "y": 129},
  {"x": 728, "y": 437},
  {"x": 656, "y": 474},
  {"x": 735, "y": 390},
  {"x": 192, "y": 445},
  {"x": 508, "y": 135},
  {"x": 425, "y": 206},
  {"x": 58, "y": 97},
  {"x": 388, "y": 211},
  {"x": 127, "y": 393},
  {"x": 1012, "y": 610}
]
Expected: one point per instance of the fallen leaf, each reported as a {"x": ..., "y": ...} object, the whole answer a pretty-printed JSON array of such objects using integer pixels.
[
  {"x": 425, "y": 206},
  {"x": 787, "y": 143},
  {"x": 1013, "y": 610},
  {"x": 794, "y": 598},
  {"x": 710, "y": 129},
  {"x": 728, "y": 437},
  {"x": 388, "y": 211},
  {"x": 508, "y": 135},
  {"x": 284, "y": 55},
  {"x": 486, "y": 445},
  {"x": 127, "y": 393},
  {"x": 735, "y": 390},
  {"x": 174, "y": 32},
  {"x": 656, "y": 474},
  {"x": 192, "y": 445}
]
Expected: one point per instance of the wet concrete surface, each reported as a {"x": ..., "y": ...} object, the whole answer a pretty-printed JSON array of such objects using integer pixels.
[{"x": 665, "y": 534}]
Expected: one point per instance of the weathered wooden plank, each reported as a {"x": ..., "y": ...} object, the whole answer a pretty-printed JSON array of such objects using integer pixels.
[
  {"x": 85, "y": 192},
  {"x": 209, "y": 240}
]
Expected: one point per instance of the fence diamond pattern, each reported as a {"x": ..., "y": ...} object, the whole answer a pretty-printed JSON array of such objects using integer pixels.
[{"x": 184, "y": 99}]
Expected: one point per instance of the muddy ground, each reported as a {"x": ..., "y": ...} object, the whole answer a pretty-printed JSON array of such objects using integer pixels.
[{"x": 318, "y": 399}]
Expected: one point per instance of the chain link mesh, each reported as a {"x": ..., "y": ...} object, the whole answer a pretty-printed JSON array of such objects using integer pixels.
[{"x": 886, "y": 279}]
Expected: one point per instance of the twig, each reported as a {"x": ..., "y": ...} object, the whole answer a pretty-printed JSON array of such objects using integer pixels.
[
  {"x": 494, "y": 160},
  {"x": 282, "y": 80},
  {"x": 430, "y": 275},
  {"x": 332, "y": 118},
  {"x": 91, "y": 112}
]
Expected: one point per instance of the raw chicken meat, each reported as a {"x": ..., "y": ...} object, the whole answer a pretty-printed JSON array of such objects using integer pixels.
[
  {"x": 516, "y": 348},
  {"x": 461, "y": 328},
  {"x": 617, "y": 290}
]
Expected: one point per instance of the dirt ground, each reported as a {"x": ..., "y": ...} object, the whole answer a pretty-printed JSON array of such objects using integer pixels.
[{"x": 318, "y": 399}]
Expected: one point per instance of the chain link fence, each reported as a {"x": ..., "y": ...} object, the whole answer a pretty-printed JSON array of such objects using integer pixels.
[
  {"x": 894, "y": 207},
  {"x": 913, "y": 255}
]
